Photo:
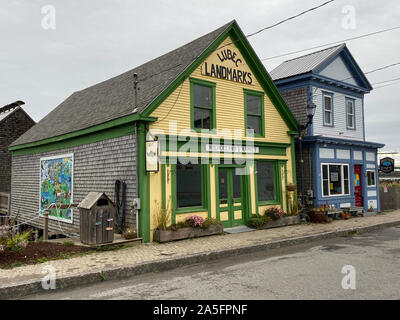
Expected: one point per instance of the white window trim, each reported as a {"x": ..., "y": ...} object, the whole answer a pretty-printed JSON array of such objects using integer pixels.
[
  {"x": 330, "y": 124},
  {"x": 371, "y": 185},
  {"x": 348, "y": 113},
  {"x": 342, "y": 180}
]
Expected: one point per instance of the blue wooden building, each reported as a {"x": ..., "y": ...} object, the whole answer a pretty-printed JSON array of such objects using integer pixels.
[{"x": 339, "y": 165}]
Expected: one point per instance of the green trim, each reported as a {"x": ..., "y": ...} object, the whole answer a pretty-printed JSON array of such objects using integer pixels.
[
  {"x": 293, "y": 155},
  {"x": 259, "y": 94},
  {"x": 277, "y": 184},
  {"x": 94, "y": 129},
  {"x": 211, "y": 85},
  {"x": 163, "y": 196},
  {"x": 287, "y": 193},
  {"x": 205, "y": 170},
  {"x": 244, "y": 199},
  {"x": 144, "y": 185},
  {"x": 265, "y": 148},
  {"x": 114, "y": 132},
  {"x": 185, "y": 74},
  {"x": 208, "y": 189},
  {"x": 252, "y": 60}
]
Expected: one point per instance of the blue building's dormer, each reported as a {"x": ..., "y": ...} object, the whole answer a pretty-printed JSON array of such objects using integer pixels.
[{"x": 339, "y": 165}]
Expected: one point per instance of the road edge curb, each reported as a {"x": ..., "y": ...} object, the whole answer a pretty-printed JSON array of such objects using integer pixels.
[{"x": 21, "y": 289}]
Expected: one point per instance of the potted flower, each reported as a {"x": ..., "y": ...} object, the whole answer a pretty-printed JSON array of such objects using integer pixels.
[
  {"x": 192, "y": 227},
  {"x": 320, "y": 214},
  {"x": 273, "y": 217}
]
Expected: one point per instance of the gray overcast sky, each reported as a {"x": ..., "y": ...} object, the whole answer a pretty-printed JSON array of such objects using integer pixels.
[{"x": 95, "y": 40}]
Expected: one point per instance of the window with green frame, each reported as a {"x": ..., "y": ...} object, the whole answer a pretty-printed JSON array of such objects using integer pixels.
[
  {"x": 202, "y": 95},
  {"x": 254, "y": 112},
  {"x": 267, "y": 177},
  {"x": 190, "y": 186}
]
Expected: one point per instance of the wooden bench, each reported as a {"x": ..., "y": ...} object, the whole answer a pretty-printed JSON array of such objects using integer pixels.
[{"x": 355, "y": 211}]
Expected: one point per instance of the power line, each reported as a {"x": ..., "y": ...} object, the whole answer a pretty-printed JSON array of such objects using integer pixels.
[
  {"x": 332, "y": 43},
  {"x": 246, "y": 36},
  {"x": 290, "y": 18},
  {"x": 390, "y": 80},
  {"x": 368, "y": 72},
  {"x": 278, "y": 23},
  {"x": 386, "y": 85}
]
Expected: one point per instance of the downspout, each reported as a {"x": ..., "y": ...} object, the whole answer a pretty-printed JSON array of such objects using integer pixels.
[
  {"x": 136, "y": 178},
  {"x": 137, "y": 205}
]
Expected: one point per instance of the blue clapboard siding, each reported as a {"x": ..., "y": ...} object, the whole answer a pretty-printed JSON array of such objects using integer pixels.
[{"x": 339, "y": 128}]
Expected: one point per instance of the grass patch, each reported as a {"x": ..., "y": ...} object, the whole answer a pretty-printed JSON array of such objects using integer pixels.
[
  {"x": 68, "y": 243},
  {"x": 41, "y": 260}
]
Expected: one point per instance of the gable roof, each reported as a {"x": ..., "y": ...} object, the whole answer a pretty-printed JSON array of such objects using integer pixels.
[
  {"x": 91, "y": 198},
  {"x": 316, "y": 61},
  {"x": 303, "y": 64},
  {"x": 115, "y": 98},
  {"x": 5, "y": 114}
]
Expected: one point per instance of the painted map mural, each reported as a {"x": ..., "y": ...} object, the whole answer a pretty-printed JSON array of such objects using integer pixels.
[{"x": 56, "y": 185}]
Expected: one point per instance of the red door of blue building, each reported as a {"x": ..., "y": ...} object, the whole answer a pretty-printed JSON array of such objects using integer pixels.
[{"x": 358, "y": 186}]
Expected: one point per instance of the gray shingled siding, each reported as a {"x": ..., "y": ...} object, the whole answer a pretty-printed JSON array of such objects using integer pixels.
[
  {"x": 15, "y": 124},
  {"x": 307, "y": 168},
  {"x": 296, "y": 100},
  {"x": 96, "y": 167}
]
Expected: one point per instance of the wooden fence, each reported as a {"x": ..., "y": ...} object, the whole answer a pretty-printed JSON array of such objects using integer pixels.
[{"x": 389, "y": 197}]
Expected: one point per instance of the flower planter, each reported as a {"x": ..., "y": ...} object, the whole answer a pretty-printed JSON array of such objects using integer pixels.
[
  {"x": 318, "y": 217},
  {"x": 285, "y": 221},
  {"x": 186, "y": 233}
]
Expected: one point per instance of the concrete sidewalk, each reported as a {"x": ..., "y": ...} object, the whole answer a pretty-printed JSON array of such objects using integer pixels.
[{"x": 151, "y": 257}]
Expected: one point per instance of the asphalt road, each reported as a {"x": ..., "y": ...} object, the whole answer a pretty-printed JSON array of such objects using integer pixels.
[{"x": 310, "y": 271}]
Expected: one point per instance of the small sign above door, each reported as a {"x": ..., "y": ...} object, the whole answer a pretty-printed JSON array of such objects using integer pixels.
[{"x": 231, "y": 148}]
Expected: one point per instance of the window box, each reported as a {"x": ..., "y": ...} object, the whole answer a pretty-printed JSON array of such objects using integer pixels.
[
  {"x": 186, "y": 233},
  {"x": 285, "y": 221}
]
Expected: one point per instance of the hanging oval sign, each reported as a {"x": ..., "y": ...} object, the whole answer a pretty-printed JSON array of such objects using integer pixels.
[{"x": 386, "y": 165}]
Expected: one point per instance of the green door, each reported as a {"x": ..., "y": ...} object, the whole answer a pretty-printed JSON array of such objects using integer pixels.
[{"x": 230, "y": 200}]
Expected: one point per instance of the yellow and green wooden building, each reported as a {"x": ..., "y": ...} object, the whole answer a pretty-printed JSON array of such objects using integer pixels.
[{"x": 166, "y": 123}]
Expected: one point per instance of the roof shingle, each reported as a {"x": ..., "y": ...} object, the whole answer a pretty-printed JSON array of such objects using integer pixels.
[{"x": 115, "y": 98}]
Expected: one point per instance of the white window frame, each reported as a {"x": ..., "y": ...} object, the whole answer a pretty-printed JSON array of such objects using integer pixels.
[
  {"x": 329, "y": 177},
  {"x": 352, "y": 114},
  {"x": 371, "y": 185},
  {"x": 330, "y": 96}
]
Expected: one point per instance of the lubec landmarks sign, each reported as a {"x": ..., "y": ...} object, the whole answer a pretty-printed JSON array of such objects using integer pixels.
[{"x": 227, "y": 63}]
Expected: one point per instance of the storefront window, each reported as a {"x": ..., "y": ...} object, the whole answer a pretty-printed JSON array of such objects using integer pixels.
[
  {"x": 188, "y": 185},
  {"x": 371, "y": 178},
  {"x": 335, "y": 179},
  {"x": 265, "y": 181}
]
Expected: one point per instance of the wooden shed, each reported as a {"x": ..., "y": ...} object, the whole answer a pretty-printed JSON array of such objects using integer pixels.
[{"x": 97, "y": 212}]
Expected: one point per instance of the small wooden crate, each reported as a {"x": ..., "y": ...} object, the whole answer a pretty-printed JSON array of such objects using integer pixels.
[{"x": 97, "y": 213}]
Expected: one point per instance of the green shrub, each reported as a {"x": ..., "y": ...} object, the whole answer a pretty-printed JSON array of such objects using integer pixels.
[
  {"x": 265, "y": 218},
  {"x": 208, "y": 222},
  {"x": 274, "y": 213},
  {"x": 255, "y": 222}
]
